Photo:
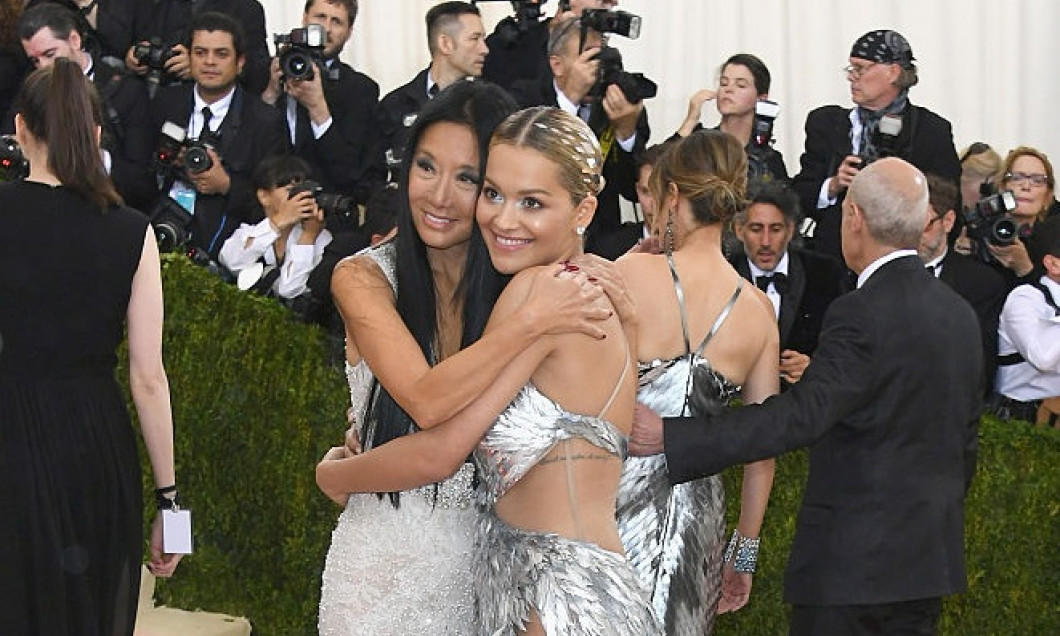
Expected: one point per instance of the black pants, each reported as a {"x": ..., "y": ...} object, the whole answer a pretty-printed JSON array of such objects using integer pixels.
[
  {"x": 1007, "y": 408},
  {"x": 905, "y": 618}
]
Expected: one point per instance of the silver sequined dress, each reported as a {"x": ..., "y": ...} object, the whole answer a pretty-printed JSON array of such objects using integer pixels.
[
  {"x": 674, "y": 536},
  {"x": 396, "y": 572},
  {"x": 577, "y": 588}
]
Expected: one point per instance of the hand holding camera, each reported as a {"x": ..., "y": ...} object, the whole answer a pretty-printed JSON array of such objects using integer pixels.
[
  {"x": 621, "y": 112},
  {"x": 205, "y": 171},
  {"x": 844, "y": 175},
  {"x": 300, "y": 206}
]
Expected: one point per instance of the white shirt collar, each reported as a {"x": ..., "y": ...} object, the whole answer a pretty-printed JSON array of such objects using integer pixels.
[
  {"x": 563, "y": 101},
  {"x": 936, "y": 263},
  {"x": 880, "y": 262},
  {"x": 218, "y": 110},
  {"x": 781, "y": 268}
]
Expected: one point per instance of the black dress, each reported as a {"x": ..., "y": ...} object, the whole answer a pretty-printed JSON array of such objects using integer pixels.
[{"x": 71, "y": 503}]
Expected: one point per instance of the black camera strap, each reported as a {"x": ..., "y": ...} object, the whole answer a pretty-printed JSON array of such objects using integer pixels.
[{"x": 1016, "y": 358}]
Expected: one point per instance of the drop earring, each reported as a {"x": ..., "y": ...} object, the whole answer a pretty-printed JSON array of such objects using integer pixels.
[
  {"x": 670, "y": 232},
  {"x": 580, "y": 230}
]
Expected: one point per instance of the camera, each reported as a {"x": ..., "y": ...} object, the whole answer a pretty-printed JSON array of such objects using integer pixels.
[
  {"x": 153, "y": 55},
  {"x": 885, "y": 138},
  {"x": 765, "y": 112},
  {"x": 635, "y": 86},
  {"x": 336, "y": 207},
  {"x": 196, "y": 151},
  {"x": 171, "y": 223},
  {"x": 990, "y": 222},
  {"x": 300, "y": 51},
  {"x": 610, "y": 21},
  {"x": 13, "y": 164},
  {"x": 527, "y": 12}
]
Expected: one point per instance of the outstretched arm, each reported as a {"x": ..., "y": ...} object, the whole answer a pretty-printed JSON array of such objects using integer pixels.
[
  {"x": 430, "y": 395},
  {"x": 431, "y": 455}
]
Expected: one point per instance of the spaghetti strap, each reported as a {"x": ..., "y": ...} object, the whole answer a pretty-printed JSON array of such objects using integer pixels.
[
  {"x": 721, "y": 318},
  {"x": 680, "y": 293},
  {"x": 618, "y": 385}
]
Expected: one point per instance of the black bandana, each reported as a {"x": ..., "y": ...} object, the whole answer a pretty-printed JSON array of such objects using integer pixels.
[{"x": 885, "y": 47}]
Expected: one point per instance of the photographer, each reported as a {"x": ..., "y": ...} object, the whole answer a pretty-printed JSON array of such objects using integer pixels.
[
  {"x": 1029, "y": 334},
  {"x": 619, "y": 124},
  {"x": 166, "y": 25},
  {"x": 743, "y": 81},
  {"x": 840, "y": 141},
  {"x": 50, "y": 31},
  {"x": 239, "y": 130},
  {"x": 1028, "y": 174},
  {"x": 456, "y": 41},
  {"x": 328, "y": 113},
  {"x": 291, "y": 239},
  {"x": 519, "y": 43}
]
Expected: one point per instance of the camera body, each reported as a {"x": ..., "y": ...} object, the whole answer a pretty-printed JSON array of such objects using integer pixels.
[
  {"x": 336, "y": 207},
  {"x": 153, "y": 55},
  {"x": 885, "y": 139},
  {"x": 990, "y": 222},
  {"x": 171, "y": 223},
  {"x": 527, "y": 13},
  {"x": 300, "y": 51},
  {"x": 611, "y": 21},
  {"x": 13, "y": 164},
  {"x": 173, "y": 141},
  {"x": 635, "y": 86}
]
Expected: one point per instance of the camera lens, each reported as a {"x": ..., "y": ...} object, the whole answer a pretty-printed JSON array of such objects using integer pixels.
[
  {"x": 297, "y": 65},
  {"x": 1003, "y": 232},
  {"x": 168, "y": 236},
  {"x": 197, "y": 159}
]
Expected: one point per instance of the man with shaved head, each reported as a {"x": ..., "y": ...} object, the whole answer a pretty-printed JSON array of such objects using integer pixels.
[{"x": 889, "y": 410}]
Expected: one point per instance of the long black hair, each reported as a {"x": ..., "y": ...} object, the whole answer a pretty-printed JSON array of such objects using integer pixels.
[{"x": 480, "y": 106}]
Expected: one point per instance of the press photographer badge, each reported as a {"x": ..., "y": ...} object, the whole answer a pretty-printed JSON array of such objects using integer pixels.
[
  {"x": 183, "y": 194},
  {"x": 176, "y": 530}
]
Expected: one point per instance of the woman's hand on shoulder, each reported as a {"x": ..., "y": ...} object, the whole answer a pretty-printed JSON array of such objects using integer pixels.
[
  {"x": 609, "y": 278},
  {"x": 560, "y": 299}
]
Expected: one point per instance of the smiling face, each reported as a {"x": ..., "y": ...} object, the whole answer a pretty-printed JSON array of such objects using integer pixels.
[
  {"x": 443, "y": 184},
  {"x": 526, "y": 216}
]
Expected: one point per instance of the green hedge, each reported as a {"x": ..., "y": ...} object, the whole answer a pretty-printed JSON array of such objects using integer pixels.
[{"x": 256, "y": 405}]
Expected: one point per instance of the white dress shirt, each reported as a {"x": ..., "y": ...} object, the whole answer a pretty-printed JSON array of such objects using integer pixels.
[
  {"x": 1029, "y": 327},
  {"x": 771, "y": 291},
  {"x": 251, "y": 243}
]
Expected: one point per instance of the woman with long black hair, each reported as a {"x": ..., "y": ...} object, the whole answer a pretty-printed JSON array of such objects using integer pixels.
[{"x": 76, "y": 269}]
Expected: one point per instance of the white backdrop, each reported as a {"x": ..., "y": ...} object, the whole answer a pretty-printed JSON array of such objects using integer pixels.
[{"x": 987, "y": 66}]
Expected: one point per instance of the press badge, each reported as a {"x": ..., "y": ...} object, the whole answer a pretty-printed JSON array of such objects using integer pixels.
[
  {"x": 183, "y": 194},
  {"x": 176, "y": 531}
]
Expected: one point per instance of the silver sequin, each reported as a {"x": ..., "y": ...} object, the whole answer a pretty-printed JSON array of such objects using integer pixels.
[
  {"x": 674, "y": 537},
  {"x": 577, "y": 588}
]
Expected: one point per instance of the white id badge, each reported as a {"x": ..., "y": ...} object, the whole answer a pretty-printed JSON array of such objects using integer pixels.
[{"x": 176, "y": 531}]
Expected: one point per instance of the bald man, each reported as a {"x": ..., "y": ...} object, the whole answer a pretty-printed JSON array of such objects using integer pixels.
[{"x": 889, "y": 409}]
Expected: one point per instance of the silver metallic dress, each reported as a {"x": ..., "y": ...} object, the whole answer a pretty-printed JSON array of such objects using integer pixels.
[
  {"x": 399, "y": 571},
  {"x": 577, "y": 588},
  {"x": 674, "y": 536}
]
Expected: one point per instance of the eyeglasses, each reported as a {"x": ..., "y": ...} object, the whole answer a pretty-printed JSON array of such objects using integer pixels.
[
  {"x": 857, "y": 70},
  {"x": 1037, "y": 180}
]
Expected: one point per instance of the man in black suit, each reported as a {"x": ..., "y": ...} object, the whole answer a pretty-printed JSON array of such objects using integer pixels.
[
  {"x": 241, "y": 128},
  {"x": 51, "y": 30},
  {"x": 801, "y": 284},
  {"x": 168, "y": 23},
  {"x": 620, "y": 125},
  {"x": 456, "y": 40},
  {"x": 978, "y": 283},
  {"x": 840, "y": 141},
  {"x": 328, "y": 115},
  {"x": 889, "y": 409}
]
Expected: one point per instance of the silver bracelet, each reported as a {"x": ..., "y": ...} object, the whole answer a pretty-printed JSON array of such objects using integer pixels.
[{"x": 743, "y": 552}]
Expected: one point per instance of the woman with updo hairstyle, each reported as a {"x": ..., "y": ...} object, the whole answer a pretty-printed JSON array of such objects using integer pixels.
[
  {"x": 979, "y": 166},
  {"x": 705, "y": 339},
  {"x": 78, "y": 271},
  {"x": 1028, "y": 173}
]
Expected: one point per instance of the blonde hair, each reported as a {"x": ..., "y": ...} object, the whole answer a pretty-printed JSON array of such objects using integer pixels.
[
  {"x": 1027, "y": 151},
  {"x": 563, "y": 139}
]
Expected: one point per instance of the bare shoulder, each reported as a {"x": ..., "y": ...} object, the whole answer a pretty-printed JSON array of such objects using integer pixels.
[{"x": 357, "y": 271}]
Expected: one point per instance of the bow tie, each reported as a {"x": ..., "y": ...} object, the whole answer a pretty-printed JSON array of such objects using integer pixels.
[{"x": 779, "y": 280}]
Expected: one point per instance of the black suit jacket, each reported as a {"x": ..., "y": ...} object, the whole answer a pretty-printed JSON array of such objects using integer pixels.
[
  {"x": 890, "y": 410},
  {"x": 250, "y": 132},
  {"x": 169, "y": 20},
  {"x": 814, "y": 281},
  {"x": 394, "y": 115},
  {"x": 341, "y": 158},
  {"x": 985, "y": 290},
  {"x": 926, "y": 141},
  {"x": 620, "y": 168},
  {"x": 128, "y": 134}
]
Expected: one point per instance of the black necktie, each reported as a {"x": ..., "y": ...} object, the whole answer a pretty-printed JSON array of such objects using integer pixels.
[
  {"x": 432, "y": 91},
  {"x": 206, "y": 117},
  {"x": 779, "y": 280}
]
